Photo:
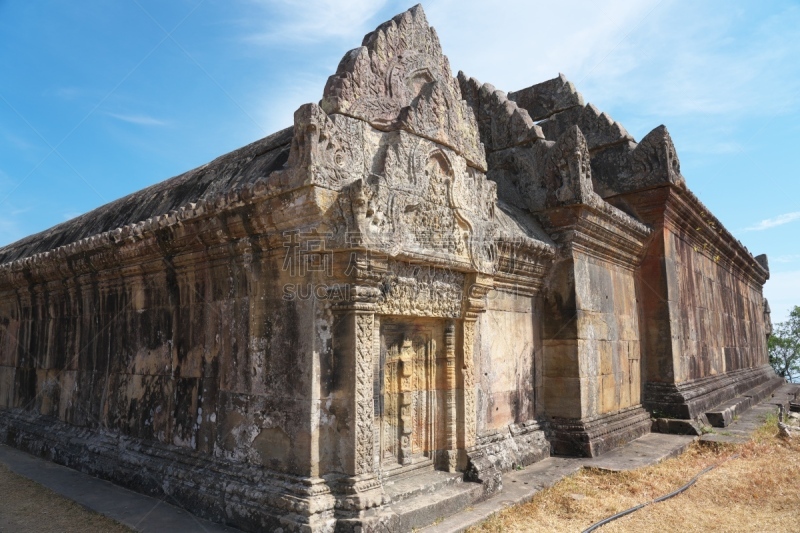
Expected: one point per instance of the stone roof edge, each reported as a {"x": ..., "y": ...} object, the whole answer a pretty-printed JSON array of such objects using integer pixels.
[
  {"x": 258, "y": 190},
  {"x": 216, "y": 161},
  {"x": 726, "y": 236},
  {"x": 620, "y": 216}
]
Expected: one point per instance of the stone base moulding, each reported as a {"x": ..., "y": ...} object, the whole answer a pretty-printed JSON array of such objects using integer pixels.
[
  {"x": 693, "y": 399},
  {"x": 502, "y": 450},
  {"x": 247, "y": 496},
  {"x": 594, "y": 436}
]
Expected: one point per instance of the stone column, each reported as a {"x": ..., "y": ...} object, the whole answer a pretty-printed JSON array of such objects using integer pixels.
[
  {"x": 477, "y": 285},
  {"x": 363, "y": 407},
  {"x": 354, "y": 343},
  {"x": 469, "y": 428},
  {"x": 451, "y": 413}
]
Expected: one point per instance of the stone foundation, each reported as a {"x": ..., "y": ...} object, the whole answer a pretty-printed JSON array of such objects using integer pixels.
[
  {"x": 595, "y": 436},
  {"x": 690, "y": 400},
  {"x": 248, "y": 496},
  {"x": 502, "y": 450}
]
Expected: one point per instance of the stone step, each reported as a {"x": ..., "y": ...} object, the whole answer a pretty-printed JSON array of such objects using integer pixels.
[
  {"x": 764, "y": 391},
  {"x": 723, "y": 414},
  {"x": 408, "y": 486},
  {"x": 427, "y": 508},
  {"x": 417, "y": 466}
]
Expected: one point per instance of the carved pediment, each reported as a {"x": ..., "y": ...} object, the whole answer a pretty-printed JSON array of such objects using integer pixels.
[
  {"x": 547, "y": 174},
  {"x": 631, "y": 167},
  {"x": 400, "y": 79},
  {"x": 424, "y": 200}
]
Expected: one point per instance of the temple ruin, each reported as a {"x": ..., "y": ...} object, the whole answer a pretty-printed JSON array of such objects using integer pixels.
[{"x": 423, "y": 283}]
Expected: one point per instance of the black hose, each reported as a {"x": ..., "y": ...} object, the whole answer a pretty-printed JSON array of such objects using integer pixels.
[{"x": 691, "y": 482}]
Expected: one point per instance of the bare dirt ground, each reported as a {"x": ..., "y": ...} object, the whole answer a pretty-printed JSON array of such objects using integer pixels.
[
  {"x": 27, "y": 507},
  {"x": 756, "y": 487}
]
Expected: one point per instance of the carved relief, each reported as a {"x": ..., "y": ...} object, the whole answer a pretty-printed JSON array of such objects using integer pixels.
[
  {"x": 421, "y": 290},
  {"x": 567, "y": 170},
  {"x": 325, "y": 150},
  {"x": 363, "y": 393},
  {"x": 547, "y": 174},
  {"x": 400, "y": 79},
  {"x": 631, "y": 167},
  {"x": 655, "y": 157},
  {"x": 424, "y": 199},
  {"x": 407, "y": 392},
  {"x": 468, "y": 370}
]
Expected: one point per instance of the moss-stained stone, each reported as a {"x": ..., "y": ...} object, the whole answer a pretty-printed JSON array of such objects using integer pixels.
[{"x": 412, "y": 286}]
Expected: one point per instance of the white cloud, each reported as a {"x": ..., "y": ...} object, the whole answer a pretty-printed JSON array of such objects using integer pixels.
[
  {"x": 779, "y": 220},
  {"x": 657, "y": 59},
  {"x": 525, "y": 42},
  {"x": 140, "y": 120},
  {"x": 783, "y": 292},
  {"x": 310, "y": 20},
  {"x": 791, "y": 258}
]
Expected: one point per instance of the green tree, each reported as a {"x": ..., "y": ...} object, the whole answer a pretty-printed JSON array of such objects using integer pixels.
[{"x": 784, "y": 347}]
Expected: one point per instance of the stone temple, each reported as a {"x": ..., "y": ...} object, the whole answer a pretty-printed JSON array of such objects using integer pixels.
[{"x": 424, "y": 282}]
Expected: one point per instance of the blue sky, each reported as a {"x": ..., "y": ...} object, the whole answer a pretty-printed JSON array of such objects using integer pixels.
[{"x": 100, "y": 98}]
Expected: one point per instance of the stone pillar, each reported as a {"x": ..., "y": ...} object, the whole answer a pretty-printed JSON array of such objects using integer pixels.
[
  {"x": 363, "y": 407},
  {"x": 451, "y": 413},
  {"x": 477, "y": 285},
  {"x": 354, "y": 343},
  {"x": 468, "y": 429}
]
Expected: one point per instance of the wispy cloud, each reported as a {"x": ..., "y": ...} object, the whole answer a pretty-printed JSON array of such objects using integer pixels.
[
  {"x": 140, "y": 120},
  {"x": 288, "y": 21},
  {"x": 791, "y": 258},
  {"x": 663, "y": 59},
  {"x": 527, "y": 42},
  {"x": 779, "y": 220},
  {"x": 706, "y": 60}
]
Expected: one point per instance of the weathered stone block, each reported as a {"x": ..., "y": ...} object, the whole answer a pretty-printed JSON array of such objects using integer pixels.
[{"x": 413, "y": 285}]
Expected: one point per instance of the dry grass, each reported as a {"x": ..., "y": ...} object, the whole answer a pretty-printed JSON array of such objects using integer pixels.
[
  {"x": 756, "y": 487},
  {"x": 27, "y": 507}
]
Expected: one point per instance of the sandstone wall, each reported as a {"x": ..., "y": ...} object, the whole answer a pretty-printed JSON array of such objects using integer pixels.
[
  {"x": 592, "y": 349},
  {"x": 198, "y": 353},
  {"x": 717, "y": 313},
  {"x": 508, "y": 362}
]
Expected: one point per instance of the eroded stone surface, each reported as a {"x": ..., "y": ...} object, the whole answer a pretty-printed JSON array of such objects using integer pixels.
[{"x": 415, "y": 278}]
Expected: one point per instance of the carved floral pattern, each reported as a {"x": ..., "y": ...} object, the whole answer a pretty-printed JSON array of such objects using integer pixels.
[
  {"x": 468, "y": 370},
  {"x": 364, "y": 393}
]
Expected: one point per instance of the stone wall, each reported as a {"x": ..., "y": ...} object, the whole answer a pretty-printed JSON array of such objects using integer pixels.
[
  {"x": 509, "y": 361},
  {"x": 416, "y": 276},
  {"x": 592, "y": 347},
  {"x": 718, "y": 313}
]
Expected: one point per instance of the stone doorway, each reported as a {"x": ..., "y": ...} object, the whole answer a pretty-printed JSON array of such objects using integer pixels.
[{"x": 409, "y": 406}]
